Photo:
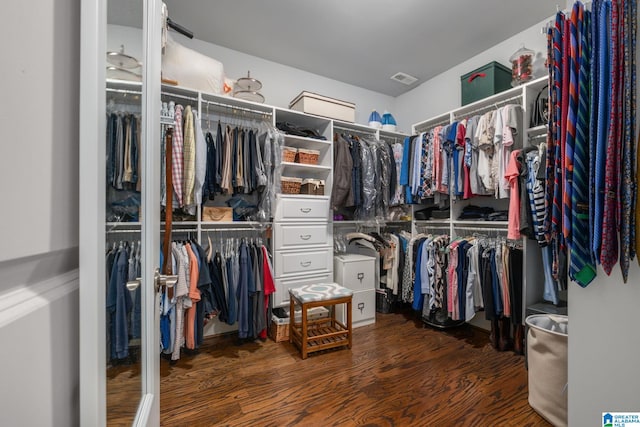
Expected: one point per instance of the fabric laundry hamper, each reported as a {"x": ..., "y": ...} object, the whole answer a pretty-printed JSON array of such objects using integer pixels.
[{"x": 547, "y": 344}]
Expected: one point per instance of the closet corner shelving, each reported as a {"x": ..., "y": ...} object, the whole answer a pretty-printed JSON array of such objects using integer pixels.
[
  {"x": 302, "y": 238},
  {"x": 523, "y": 95}
]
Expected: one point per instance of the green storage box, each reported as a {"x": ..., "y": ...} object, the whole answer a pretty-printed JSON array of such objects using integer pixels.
[{"x": 484, "y": 81}]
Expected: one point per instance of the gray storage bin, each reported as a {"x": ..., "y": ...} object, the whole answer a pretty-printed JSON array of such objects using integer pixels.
[{"x": 547, "y": 360}]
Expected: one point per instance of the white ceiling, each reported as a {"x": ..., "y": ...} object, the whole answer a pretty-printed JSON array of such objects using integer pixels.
[{"x": 360, "y": 42}]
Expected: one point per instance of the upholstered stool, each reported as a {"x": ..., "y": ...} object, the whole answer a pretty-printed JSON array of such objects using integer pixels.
[{"x": 319, "y": 334}]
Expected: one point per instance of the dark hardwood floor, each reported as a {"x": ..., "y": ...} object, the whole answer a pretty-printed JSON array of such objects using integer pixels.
[{"x": 398, "y": 373}]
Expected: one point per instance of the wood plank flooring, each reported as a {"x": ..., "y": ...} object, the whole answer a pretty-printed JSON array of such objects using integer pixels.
[{"x": 398, "y": 373}]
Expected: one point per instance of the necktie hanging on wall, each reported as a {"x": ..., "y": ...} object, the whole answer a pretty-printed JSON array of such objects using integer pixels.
[
  {"x": 556, "y": 213},
  {"x": 592, "y": 189},
  {"x": 593, "y": 115},
  {"x": 572, "y": 61},
  {"x": 609, "y": 249},
  {"x": 602, "y": 125},
  {"x": 581, "y": 269},
  {"x": 550, "y": 150},
  {"x": 627, "y": 215}
]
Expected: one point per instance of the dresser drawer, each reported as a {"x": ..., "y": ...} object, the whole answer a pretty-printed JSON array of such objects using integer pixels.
[
  {"x": 363, "y": 309},
  {"x": 281, "y": 296},
  {"x": 294, "y": 236},
  {"x": 304, "y": 262},
  {"x": 356, "y": 272},
  {"x": 302, "y": 209}
]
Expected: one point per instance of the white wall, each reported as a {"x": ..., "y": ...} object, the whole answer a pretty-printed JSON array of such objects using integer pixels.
[
  {"x": 442, "y": 93},
  {"x": 38, "y": 223},
  {"x": 281, "y": 83},
  {"x": 604, "y": 344}
]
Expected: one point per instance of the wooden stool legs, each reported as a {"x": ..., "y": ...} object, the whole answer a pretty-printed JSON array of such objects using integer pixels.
[{"x": 319, "y": 334}]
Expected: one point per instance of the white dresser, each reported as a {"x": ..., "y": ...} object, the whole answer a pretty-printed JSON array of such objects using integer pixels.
[{"x": 357, "y": 272}]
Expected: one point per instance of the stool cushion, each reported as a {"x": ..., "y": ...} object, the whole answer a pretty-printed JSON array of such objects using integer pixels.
[{"x": 320, "y": 292}]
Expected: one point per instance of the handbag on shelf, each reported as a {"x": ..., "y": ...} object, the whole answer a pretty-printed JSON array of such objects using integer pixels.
[
  {"x": 540, "y": 110},
  {"x": 217, "y": 214}
]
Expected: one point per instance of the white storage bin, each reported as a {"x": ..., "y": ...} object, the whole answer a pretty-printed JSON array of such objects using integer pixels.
[{"x": 319, "y": 105}]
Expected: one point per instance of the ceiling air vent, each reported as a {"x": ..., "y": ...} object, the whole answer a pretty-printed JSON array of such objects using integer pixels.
[{"x": 404, "y": 78}]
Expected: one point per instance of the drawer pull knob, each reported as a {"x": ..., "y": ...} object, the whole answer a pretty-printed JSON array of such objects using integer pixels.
[
  {"x": 305, "y": 236},
  {"x": 360, "y": 277},
  {"x": 361, "y": 307},
  {"x": 305, "y": 263},
  {"x": 305, "y": 210}
]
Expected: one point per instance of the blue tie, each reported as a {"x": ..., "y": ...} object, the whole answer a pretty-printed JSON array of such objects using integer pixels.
[
  {"x": 593, "y": 114},
  {"x": 602, "y": 125},
  {"x": 581, "y": 268}
]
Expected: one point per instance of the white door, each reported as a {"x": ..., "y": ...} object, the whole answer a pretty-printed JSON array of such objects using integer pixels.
[{"x": 119, "y": 216}]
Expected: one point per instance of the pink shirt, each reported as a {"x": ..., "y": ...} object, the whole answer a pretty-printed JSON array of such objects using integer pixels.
[{"x": 511, "y": 175}]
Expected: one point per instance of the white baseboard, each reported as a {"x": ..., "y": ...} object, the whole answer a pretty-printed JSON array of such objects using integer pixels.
[{"x": 24, "y": 300}]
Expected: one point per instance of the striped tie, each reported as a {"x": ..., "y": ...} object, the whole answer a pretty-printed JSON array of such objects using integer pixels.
[
  {"x": 593, "y": 114},
  {"x": 571, "y": 119},
  {"x": 627, "y": 219},
  {"x": 609, "y": 249},
  {"x": 548, "y": 194},
  {"x": 556, "y": 213},
  {"x": 581, "y": 268},
  {"x": 602, "y": 125}
]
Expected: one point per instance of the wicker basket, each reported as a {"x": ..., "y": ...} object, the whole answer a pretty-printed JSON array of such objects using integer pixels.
[
  {"x": 289, "y": 154},
  {"x": 308, "y": 157},
  {"x": 290, "y": 185},
  {"x": 312, "y": 186},
  {"x": 279, "y": 330}
]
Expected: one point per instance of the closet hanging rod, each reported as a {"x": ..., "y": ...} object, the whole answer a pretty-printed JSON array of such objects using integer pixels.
[
  {"x": 124, "y": 91},
  {"x": 355, "y": 131},
  {"x": 179, "y": 28},
  {"x": 471, "y": 228},
  {"x": 123, "y": 231},
  {"x": 233, "y": 107},
  {"x": 177, "y": 95},
  {"x": 249, "y": 230},
  {"x": 436, "y": 227},
  {"x": 490, "y": 106}
]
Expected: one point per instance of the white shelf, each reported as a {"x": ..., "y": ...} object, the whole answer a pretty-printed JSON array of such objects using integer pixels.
[
  {"x": 355, "y": 127},
  {"x": 432, "y": 221},
  {"x": 305, "y": 141},
  {"x": 304, "y": 168}
]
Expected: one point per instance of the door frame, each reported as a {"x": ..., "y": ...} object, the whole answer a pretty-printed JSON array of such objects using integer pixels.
[
  {"x": 149, "y": 410},
  {"x": 92, "y": 171}
]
